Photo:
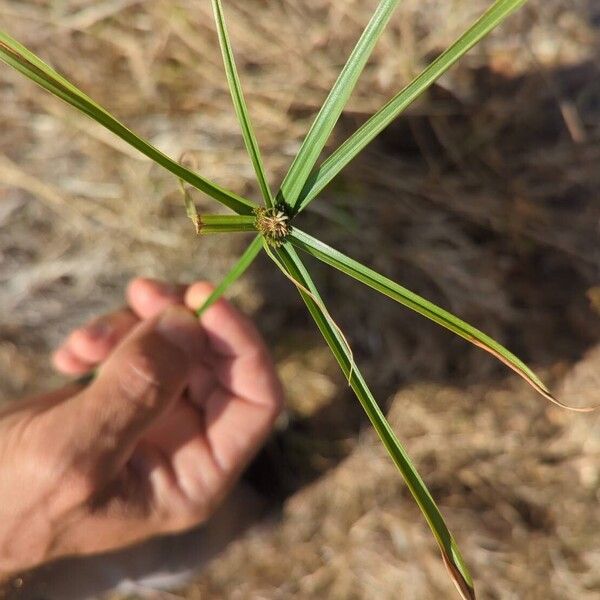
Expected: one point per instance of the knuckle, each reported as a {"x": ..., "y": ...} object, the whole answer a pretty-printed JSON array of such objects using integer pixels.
[
  {"x": 92, "y": 341},
  {"x": 78, "y": 481},
  {"x": 82, "y": 483},
  {"x": 138, "y": 379}
]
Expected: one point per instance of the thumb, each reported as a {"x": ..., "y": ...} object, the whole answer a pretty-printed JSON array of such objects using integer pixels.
[{"x": 142, "y": 378}]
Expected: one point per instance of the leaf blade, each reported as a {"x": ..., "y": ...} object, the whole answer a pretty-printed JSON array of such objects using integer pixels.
[
  {"x": 402, "y": 295},
  {"x": 450, "y": 552},
  {"x": 383, "y": 117},
  {"x": 332, "y": 108},
  {"x": 26, "y": 62},
  {"x": 239, "y": 103},
  {"x": 236, "y": 271}
]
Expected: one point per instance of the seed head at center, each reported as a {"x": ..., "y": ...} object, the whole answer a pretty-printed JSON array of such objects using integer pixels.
[{"x": 273, "y": 223}]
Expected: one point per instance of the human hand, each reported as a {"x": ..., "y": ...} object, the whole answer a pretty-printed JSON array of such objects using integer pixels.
[{"x": 152, "y": 445}]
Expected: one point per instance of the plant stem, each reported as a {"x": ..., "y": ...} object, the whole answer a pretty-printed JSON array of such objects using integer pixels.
[
  {"x": 225, "y": 223},
  {"x": 238, "y": 269}
]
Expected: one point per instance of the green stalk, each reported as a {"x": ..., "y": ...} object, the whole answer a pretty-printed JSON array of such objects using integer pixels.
[
  {"x": 450, "y": 552},
  {"x": 334, "y": 105},
  {"x": 237, "y": 96},
  {"x": 238, "y": 269},
  {"x": 404, "y": 296},
  {"x": 225, "y": 223},
  {"x": 383, "y": 117},
  {"x": 23, "y": 60}
]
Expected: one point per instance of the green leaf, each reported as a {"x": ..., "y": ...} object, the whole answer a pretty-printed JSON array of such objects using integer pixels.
[
  {"x": 400, "y": 294},
  {"x": 334, "y": 104},
  {"x": 225, "y": 223},
  {"x": 238, "y": 269},
  {"x": 450, "y": 552},
  {"x": 20, "y": 58},
  {"x": 237, "y": 95},
  {"x": 383, "y": 117}
]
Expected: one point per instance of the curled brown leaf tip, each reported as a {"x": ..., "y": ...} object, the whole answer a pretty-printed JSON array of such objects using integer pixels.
[{"x": 466, "y": 590}]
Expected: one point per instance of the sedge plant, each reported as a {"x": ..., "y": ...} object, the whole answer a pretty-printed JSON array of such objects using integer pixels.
[{"x": 272, "y": 220}]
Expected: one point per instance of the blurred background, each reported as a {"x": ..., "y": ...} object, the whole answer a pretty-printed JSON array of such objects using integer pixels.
[{"x": 483, "y": 197}]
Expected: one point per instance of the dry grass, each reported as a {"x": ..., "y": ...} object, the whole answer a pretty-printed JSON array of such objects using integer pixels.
[
  {"x": 484, "y": 198},
  {"x": 502, "y": 477}
]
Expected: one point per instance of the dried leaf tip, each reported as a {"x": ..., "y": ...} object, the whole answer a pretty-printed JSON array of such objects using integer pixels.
[
  {"x": 463, "y": 584},
  {"x": 198, "y": 224}
]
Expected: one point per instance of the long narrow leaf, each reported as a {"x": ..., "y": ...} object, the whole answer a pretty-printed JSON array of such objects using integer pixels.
[
  {"x": 382, "y": 118},
  {"x": 450, "y": 552},
  {"x": 400, "y": 294},
  {"x": 334, "y": 104},
  {"x": 238, "y": 269},
  {"x": 20, "y": 58},
  {"x": 237, "y": 95}
]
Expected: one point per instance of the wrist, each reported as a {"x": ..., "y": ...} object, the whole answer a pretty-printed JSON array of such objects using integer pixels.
[{"x": 25, "y": 542}]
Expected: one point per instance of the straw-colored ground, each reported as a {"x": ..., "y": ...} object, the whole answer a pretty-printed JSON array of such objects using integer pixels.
[{"x": 484, "y": 198}]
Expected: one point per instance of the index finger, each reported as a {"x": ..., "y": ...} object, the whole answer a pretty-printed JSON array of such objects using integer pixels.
[
  {"x": 149, "y": 297},
  {"x": 242, "y": 362},
  {"x": 230, "y": 333}
]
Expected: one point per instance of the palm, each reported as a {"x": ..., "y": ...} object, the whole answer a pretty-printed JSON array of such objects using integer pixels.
[
  {"x": 183, "y": 465},
  {"x": 201, "y": 443}
]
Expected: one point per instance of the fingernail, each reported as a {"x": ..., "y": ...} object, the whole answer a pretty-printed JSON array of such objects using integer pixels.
[
  {"x": 180, "y": 327},
  {"x": 98, "y": 330},
  {"x": 197, "y": 294}
]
